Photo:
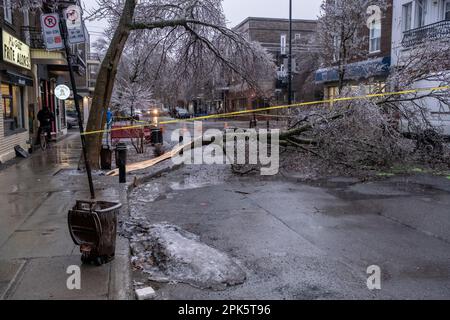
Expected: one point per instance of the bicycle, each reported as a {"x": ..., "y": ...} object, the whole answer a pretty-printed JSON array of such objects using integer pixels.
[{"x": 43, "y": 139}]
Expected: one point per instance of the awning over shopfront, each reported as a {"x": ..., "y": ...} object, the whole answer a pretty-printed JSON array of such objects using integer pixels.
[
  {"x": 356, "y": 71},
  {"x": 42, "y": 56},
  {"x": 17, "y": 79}
]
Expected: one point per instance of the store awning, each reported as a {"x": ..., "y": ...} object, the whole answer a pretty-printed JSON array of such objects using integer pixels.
[
  {"x": 356, "y": 71},
  {"x": 17, "y": 79},
  {"x": 42, "y": 56}
]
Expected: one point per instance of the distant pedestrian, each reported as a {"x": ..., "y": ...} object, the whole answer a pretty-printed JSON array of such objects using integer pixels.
[
  {"x": 45, "y": 117},
  {"x": 109, "y": 122}
]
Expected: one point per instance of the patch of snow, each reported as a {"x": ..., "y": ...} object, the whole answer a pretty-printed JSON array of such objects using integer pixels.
[
  {"x": 145, "y": 293},
  {"x": 168, "y": 253}
]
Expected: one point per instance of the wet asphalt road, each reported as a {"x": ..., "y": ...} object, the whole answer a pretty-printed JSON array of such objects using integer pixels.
[{"x": 299, "y": 241}]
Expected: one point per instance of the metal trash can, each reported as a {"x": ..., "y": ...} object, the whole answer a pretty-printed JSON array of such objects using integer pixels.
[
  {"x": 106, "y": 158},
  {"x": 157, "y": 136},
  {"x": 93, "y": 227}
]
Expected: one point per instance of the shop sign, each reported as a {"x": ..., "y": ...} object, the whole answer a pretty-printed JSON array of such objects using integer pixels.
[
  {"x": 62, "y": 92},
  {"x": 15, "y": 51}
]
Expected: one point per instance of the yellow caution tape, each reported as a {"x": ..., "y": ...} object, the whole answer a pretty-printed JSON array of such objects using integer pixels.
[{"x": 296, "y": 105}]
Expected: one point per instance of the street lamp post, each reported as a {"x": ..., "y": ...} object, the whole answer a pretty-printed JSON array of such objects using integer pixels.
[{"x": 290, "y": 55}]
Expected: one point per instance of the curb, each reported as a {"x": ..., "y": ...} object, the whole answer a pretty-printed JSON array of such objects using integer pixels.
[{"x": 120, "y": 287}]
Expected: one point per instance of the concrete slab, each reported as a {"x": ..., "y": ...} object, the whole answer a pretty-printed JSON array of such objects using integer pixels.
[
  {"x": 37, "y": 244},
  {"x": 46, "y": 279},
  {"x": 51, "y": 214},
  {"x": 9, "y": 270}
]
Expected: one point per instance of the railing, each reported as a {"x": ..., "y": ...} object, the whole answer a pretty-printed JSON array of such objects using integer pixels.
[
  {"x": 432, "y": 32},
  {"x": 92, "y": 83},
  {"x": 94, "y": 57},
  {"x": 33, "y": 37},
  {"x": 78, "y": 64}
]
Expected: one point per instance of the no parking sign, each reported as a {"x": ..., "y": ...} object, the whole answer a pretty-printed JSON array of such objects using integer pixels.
[
  {"x": 51, "y": 32},
  {"x": 74, "y": 23}
]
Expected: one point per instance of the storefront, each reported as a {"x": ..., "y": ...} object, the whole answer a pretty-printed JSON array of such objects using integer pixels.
[{"x": 16, "y": 87}]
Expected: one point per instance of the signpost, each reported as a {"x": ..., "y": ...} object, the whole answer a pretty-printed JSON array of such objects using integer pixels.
[
  {"x": 52, "y": 34},
  {"x": 74, "y": 25},
  {"x": 57, "y": 36},
  {"x": 77, "y": 107}
]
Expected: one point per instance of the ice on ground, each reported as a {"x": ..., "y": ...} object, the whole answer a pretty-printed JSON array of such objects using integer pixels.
[{"x": 170, "y": 254}]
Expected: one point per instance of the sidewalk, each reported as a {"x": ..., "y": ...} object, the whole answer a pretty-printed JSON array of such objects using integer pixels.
[{"x": 35, "y": 245}]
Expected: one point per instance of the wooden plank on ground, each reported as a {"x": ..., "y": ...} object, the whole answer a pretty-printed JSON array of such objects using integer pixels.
[{"x": 150, "y": 163}]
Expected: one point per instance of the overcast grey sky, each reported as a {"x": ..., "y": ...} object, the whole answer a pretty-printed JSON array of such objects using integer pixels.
[{"x": 238, "y": 10}]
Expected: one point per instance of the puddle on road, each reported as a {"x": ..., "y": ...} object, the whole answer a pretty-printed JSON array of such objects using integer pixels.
[{"x": 187, "y": 178}]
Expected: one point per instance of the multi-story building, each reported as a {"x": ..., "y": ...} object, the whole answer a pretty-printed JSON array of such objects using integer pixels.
[
  {"x": 29, "y": 74},
  {"x": 273, "y": 35},
  {"x": 369, "y": 68},
  {"x": 17, "y": 85},
  {"x": 416, "y": 24},
  {"x": 50, "y": 69}
]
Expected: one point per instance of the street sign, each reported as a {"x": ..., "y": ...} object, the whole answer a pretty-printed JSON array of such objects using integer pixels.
[
  {"x": 62, "y": 92},
  {"x": 51, "y": 32},
  {"x": 75, "y": 28}
]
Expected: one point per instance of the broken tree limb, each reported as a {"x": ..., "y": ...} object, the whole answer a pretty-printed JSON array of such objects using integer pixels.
[
  {"x": 307, "y": 127},
  {"x": 295, "y": 132},
  {"x": 304, "y": 141},
  {"x": 298, "y": 145},
  {"x": 169, "y": 155}
]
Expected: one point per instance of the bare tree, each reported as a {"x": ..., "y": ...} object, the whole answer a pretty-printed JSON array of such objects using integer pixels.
[
  {"x": 190, "y": 31},
  {"x": 342, "y": 32},
  {"x": 371, "y": 132}
]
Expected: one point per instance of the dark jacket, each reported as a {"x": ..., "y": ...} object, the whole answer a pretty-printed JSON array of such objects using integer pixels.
[{"x": 45, "y": 117}]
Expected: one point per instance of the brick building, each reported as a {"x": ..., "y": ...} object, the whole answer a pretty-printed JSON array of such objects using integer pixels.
[
  {"x": 273, "y": 35},
  {"x": 371, "y": 68},
  {"x": 29, "y": 74},
  {"x": 17, "y": 83}
]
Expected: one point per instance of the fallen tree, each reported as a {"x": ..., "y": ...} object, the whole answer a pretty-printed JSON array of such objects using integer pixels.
[{"x": 191, "y": 33}]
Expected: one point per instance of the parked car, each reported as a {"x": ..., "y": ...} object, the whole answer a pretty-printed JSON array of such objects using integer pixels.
[
  {"x": 71, "y": 120},
  {"x": 182, "y": 113},
  {"x": 165, "y": 111}
]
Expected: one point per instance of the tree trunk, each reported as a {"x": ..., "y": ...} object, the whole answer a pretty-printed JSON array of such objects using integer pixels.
[{"x": 105, "y": 83}]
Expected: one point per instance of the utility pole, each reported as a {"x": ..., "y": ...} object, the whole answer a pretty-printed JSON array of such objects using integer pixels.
[
  {"x": 64, "y": 34},
  {"x": 290, "y": 55}
]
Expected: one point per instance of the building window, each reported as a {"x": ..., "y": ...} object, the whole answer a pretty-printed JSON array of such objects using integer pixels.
[
  {"x": 298, "y": 36},
  {"x": 336, "y": 48},
  {"x": 283, "y": 44},
  {"x": 447, "y": 10},
  {"x": 7, "y": 10},
  {"x": 7, "y": 101},
  {"x": 407, "y": 16},
  {"x": 421, "y": 13},
  {"x": 13, "y": 109},
  {"x": 375, "y": 36}
]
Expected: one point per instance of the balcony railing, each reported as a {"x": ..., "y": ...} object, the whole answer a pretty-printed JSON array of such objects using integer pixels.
[
  {"x": 92, "y": 83},
  {"x": 94, "y": 57},
  {"x": 432, "y": 32},
  {"x": 33, "y": 37}
]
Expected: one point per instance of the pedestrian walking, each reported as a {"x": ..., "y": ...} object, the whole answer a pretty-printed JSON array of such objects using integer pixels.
[{"x": 45, "y": 117}]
